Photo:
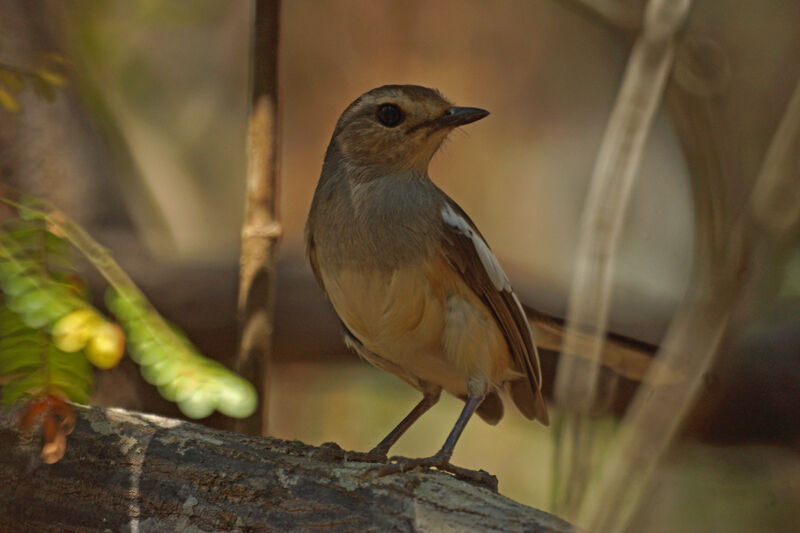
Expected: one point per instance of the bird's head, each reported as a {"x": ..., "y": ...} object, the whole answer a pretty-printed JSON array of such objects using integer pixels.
[{"x": 397, "y": 128}]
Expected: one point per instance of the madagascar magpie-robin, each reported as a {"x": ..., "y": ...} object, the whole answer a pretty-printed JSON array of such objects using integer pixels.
[{"x": 417, "y": 288}]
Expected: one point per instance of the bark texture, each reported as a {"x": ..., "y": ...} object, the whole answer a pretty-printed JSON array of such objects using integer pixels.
[{"x": 126, "y": 471}]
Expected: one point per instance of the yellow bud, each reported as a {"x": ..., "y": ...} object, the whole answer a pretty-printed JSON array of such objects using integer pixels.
[
  {"x": 72, "y": 331},
  {"x": 106, "y": 346}
]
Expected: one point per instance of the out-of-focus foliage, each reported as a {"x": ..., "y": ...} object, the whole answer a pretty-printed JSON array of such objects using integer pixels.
[
  {"x": 32, "y": 366},
  {"x": 44, "y": 81},
  {"x": 50, "y": 335},
  {"x": 42, "y": 359},
  {"x": 157, "y": 117},
  {"x": 41, "y": 292},
  {"x": 170, "y": 362}
]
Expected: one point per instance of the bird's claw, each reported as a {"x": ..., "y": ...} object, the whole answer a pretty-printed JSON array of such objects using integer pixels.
[
  {"x": 367, "y": 457},
  {"x": 398, "y": 465},
  {"x": 334, "y": 451}
]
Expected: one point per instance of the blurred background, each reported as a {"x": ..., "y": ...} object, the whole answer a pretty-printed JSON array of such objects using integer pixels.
[{"x": 146, "y": 148}]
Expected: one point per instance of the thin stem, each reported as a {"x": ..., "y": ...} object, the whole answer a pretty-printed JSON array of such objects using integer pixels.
[
  {"x": 577, "y": 380},
  {"x": 261, "y": 230},
  {"x": 722, "y": 283}
]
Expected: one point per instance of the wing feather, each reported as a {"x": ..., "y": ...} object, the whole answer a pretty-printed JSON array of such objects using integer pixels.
[
  {"x": 465, "y": 249},
  {"x": 311, "y": 251}
]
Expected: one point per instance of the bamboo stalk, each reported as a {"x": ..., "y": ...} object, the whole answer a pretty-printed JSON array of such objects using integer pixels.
[{"x": 262, "y": 228}]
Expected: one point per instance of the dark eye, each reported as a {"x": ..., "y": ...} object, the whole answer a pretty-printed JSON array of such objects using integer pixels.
[{"x": 390, "y": 115}]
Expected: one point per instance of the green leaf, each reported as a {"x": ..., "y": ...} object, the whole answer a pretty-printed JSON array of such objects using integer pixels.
[
  {"x": 18, "y": 365},
  {"x": 74, "y": 391},
  {"x": 29, "y": 289},
  {"x": 237, "y": 397},
  {"x": 166, "y": 357},
  {"x": 23, "y": 386},
  {"x": 199, "y": 404},
  {"x": 17, "y": 285},
  {"x": 42, "y": 367},
  {"x": 30, "y": 363},
  {"x": 31, "y": 300},
  {"x": 168, "y": 360}
]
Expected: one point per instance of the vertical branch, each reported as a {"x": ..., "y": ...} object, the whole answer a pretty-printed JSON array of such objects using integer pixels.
[
  {"x": 722, "y": 281},
  {"x": 776, "y": 195},
  {"x": 578, "y": 380},
  {"x": 656, "y": 412},
  {"x": 261, "y": 230}
]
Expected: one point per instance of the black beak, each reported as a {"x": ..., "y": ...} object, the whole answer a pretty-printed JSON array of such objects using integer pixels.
[{"x": 458, "y": 116}]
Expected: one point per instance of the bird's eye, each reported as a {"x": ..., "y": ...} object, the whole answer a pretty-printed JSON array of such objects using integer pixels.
[{"x": 390, "y": 115}]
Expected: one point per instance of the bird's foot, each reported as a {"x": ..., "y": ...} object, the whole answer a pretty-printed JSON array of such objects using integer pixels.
[
  {"x": 398, "y": 465},
  {"x": 334, "y": 451}
]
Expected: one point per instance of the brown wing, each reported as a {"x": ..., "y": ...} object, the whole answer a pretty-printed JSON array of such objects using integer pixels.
[
  {"x": 465, "y": 249},
  {"x": 311, "y": 251}
]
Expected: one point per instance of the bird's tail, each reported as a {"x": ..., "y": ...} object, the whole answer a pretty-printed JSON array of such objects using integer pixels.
[{"x": 529, "y": 402}]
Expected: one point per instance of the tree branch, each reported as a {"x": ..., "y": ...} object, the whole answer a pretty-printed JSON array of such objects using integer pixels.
[
  {"x": 126, "y": 471},
  {"x": 262, "y": 229},
  {"x": 577, "y": 382}
]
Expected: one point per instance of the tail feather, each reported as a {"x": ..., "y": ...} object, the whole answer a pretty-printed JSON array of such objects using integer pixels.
[
  {"x": 491, "y": 408},
  {"x": 531, "y": 404}
]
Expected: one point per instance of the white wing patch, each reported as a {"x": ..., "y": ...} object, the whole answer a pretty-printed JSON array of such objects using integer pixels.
[{"x": 488, "y": 260}]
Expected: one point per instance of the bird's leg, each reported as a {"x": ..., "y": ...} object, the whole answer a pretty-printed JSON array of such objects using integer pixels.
[
  {"x": 441, "y": 460},
  {"x": 429, "y": 399},
  {"x": 377, "y": 454},
  {"x": 470, "y": 405}
]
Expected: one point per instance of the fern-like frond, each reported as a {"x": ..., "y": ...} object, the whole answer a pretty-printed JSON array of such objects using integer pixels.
[
  {"x": 170, "y": 362},
  {"x": 32, "y": 366}
]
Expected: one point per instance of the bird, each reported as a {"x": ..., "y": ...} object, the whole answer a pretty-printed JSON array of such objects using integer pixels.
[{"x": 416, "y": 287}]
